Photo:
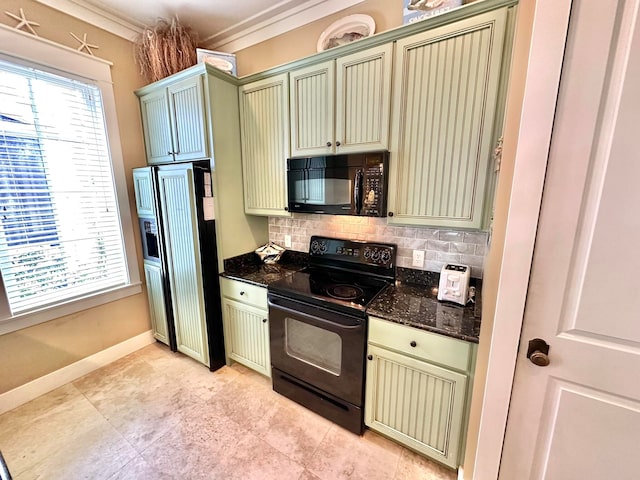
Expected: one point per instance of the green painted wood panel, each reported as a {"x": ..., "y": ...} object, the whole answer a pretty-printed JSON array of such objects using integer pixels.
[
  {"x": 155, "y": 295},
  {"x": 186, "y": 100},
  {"x": 183, "y": 258},
  {"x": 429, "y": 346},
  {"x": 416, "y": 403},
  {"x": 143, "y": 189},
  {"x": 363, "y": 100},
  {"x": 264, "y": 126},
  {"x": 246, "y": 335},
  {"x": 156, "y": 127},
  {"x": 445, "y": 96},
  {"x": 312, "y": 109}
]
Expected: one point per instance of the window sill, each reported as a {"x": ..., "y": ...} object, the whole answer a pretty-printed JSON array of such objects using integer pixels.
[{"x": 19, "y": 322}]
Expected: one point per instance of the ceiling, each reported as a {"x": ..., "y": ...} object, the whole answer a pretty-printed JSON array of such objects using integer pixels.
[{"x": 226, "y": 25}]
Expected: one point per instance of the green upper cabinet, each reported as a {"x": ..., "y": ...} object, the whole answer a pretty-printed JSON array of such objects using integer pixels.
[
  {"x": 342, "y": 105},
  {"x": 363, "y": 100},
  {"x": 446, "y": 88},
  {"x": 264, "y": 126},
  {"x": 174, "y": 122},
  {"x": 156, "y": 127},
  {"x": 312, "y": 103}
]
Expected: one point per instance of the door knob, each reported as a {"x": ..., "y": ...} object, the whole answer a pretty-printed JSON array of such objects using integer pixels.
[{"x": 538, "y": 352}]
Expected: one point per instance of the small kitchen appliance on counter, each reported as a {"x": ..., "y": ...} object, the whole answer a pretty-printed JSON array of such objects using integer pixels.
[{"x": 454, "y": 283}]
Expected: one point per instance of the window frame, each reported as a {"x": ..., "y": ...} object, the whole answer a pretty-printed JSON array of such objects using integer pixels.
[{"x": 31, "y": 51}]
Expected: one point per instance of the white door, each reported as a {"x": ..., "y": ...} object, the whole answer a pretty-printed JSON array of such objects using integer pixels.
[{"x": 579, "y": 417}]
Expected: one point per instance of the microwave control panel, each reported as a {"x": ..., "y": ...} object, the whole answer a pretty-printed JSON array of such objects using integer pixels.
[{"x": 374, "y": 185}]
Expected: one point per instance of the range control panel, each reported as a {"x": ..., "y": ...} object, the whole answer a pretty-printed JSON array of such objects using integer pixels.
[{"x": 323, "y": 250}]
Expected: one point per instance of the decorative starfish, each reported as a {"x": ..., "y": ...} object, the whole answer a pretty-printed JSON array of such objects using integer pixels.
[
  {"x": 83, "y": 44},
  {"x": 23, "y": 22}
]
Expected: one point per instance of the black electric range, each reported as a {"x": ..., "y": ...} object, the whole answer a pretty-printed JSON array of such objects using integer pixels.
[{"x": 318, "y": 326}]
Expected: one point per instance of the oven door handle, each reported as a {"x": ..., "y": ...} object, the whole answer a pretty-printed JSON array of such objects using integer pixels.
[{"x": 342, "y": 321}]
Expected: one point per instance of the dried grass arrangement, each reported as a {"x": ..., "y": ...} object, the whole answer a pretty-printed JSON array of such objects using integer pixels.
[{"x": 164, "y": 49}]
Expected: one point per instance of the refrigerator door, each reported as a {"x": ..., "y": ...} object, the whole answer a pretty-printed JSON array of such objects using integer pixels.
[
  {"x": 179, "y": 217},
  {"x": 158, "y": 294}
]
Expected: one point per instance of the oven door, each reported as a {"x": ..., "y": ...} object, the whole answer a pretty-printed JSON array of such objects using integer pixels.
[{"x": 320, "y": 347}]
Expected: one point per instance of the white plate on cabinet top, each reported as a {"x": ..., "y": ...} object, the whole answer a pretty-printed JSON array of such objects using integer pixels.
[
  {"x": 220, "y": 63},
  {"x": 346, "y": 30}
]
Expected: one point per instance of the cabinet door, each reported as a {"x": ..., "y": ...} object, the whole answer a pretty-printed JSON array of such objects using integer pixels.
[
  {"x": 157, "y": 307},
  {"x": 246, "y": 335},
  {"x": 183, "y": 258},
  {"x": 264, "y": 125},
  {"x": 445, "y": 98},
  {"x": 143, "y": 189},
  {"x": 312, "y": 110},
  {"x": 363, "y": 100},
  {"x": 156, "y": 127},
  {"x": 186, "y": 100},
  {"x": 416, "y": 403}
]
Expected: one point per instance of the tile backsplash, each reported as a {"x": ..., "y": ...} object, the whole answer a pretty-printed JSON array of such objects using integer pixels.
[{"x": 441, "y": 246}]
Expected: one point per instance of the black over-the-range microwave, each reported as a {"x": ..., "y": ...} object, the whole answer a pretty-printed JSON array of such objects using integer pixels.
[{"x": 349, "y": 184}]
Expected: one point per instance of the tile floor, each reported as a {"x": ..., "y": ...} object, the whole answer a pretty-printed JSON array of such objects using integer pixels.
[{"x": 159, "y": 415}]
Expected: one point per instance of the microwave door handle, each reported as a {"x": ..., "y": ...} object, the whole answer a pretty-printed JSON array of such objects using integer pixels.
[{"x": 357, "y": 192}]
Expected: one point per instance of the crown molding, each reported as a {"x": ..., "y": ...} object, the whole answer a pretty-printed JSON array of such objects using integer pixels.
[
  {"x": 244, "y": 34},
  {"x": 98, "y": 17},
  {"x": 280, "y": 18}
]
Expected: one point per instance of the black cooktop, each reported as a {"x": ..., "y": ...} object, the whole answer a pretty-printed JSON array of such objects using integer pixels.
[
  {"x": 345, "y": 291},
  {"x": 343, "y": 275}
]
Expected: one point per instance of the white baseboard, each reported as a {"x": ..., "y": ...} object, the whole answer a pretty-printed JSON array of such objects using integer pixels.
[{"x": 24, "y": 393}]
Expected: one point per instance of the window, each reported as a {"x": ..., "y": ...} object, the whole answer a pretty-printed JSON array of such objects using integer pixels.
[
  {"x": 66, "y": 238},
  {"x": 60, "y": 231}
]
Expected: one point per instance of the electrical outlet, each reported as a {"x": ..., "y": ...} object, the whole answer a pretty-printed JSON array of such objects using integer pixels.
[
  {"x": 287, "y": 241},
  {"x": 418, "y": 258}
]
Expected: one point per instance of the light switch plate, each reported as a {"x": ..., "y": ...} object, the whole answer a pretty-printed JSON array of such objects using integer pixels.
[
  {"x": 287, "y": 241},
  {"x": 418, "y": 258}
]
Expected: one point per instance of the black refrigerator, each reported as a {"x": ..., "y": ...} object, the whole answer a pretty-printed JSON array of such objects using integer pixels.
[{"x": 175, "y": 206}]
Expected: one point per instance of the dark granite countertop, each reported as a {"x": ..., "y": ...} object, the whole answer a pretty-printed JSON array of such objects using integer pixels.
[
  {"x": 411, "y": 301},
  {"x": 249, "y": 268},
  {"x": 416, "y": 305}
]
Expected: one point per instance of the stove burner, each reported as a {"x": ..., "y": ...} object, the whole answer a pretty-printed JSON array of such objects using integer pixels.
[{"x": 344, "y": 292}]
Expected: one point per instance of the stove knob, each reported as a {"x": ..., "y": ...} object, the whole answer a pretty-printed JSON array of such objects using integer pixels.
[
  {"x": 386, "y": 256},
  {"x": 323, "y": 247},
  {"x": 367, "y": 252},
  {"x": 314, "y": 246},
  {"x": 375, "y": 256}
]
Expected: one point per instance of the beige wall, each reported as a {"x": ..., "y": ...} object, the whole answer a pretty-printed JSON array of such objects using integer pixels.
[
  {"x": 32, "y": 352},
  {"x": 301, "y": 42}
]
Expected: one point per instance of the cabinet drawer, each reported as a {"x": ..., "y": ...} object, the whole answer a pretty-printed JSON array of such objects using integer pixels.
[
  {"x": 431, "y": 347},
  {"x": 244, "y": 292}
]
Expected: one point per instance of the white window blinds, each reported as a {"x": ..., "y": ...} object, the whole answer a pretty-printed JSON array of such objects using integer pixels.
[{"x": 60, "y": 233}]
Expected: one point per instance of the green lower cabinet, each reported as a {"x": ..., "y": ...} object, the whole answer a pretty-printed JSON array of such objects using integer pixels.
[
  {"x": 420, "y": 405},
  {"x": 246, "y": 335}
]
